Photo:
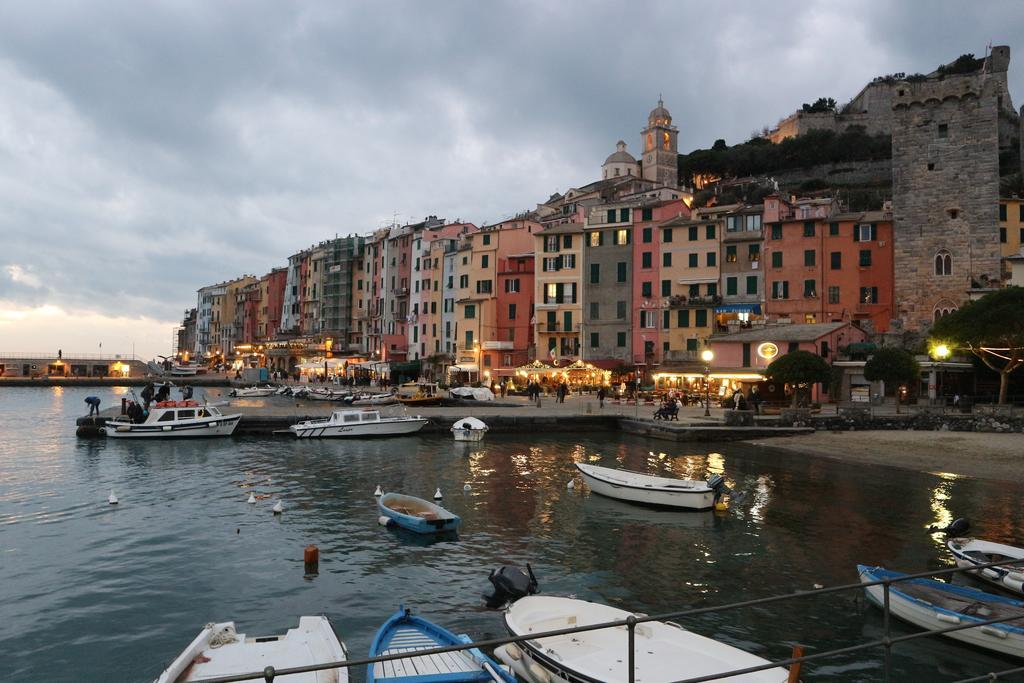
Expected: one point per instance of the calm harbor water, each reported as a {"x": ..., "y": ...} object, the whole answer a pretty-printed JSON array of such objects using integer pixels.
[{"x": 91, "y": 592}]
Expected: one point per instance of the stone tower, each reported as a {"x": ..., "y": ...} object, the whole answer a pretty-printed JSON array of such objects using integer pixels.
[
  {"x": 660, "y": 145},
  {"x": 945, "y": 160}
]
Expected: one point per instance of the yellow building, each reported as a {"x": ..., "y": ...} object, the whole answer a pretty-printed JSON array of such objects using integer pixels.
[
  {"x": 1011, "y": 228},
  {"x": 690, "y": 251},
  {"x": 558, "y": 290}
]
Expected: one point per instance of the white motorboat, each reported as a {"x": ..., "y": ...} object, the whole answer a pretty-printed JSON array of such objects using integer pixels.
[
  {"x": 219, "y": 650},
  {"x": 357, "y": 423},
  {"x": 323, "y": 394},
  {"x": 934, "y": 605},
  {"x": 172, "y": 420},
  {"x": 662, "y": 652},
  {"x": 970, "y": 552},
  {"x": 253, "y": 392},
  {"x": 373, "y": 399},
  {"x": 646, "y": 489},
  {"x": 184, "y": 370},
  {"x": 469, "y": 429}
]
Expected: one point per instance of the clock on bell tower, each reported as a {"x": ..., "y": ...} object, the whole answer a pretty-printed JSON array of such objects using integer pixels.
[{"x": 661, "y": 147}]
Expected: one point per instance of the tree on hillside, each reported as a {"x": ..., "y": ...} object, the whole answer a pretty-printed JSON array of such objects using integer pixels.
[
  {"x": 992, "y": 328},
  {"x": 893, "y": 365},
  {"x": 799, "y": 369},
  {"x": 820, "y": 106}
]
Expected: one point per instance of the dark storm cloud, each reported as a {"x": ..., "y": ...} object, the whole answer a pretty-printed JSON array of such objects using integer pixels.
[{"x": 147, "y": 149}]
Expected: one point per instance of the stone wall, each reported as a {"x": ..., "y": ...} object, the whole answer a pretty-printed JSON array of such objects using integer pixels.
[{"x": 945, "y": 191}]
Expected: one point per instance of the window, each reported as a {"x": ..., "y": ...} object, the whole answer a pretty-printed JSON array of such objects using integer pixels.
[
  {"x": 567, "y": 241},
  {"x": 712, "y": 258},
  {"x": 693, "y": 260},
  {"x": 683, "y": 317},
  {"x": 776, "y": 259},
  {"x": 487, "y": 239},
  {"x": 869, "y": 295},
  {"x": 730, "y": 254},
  {"x": 943, "y": 130},
  {"x": 621, "y": 271},
  {"x": 483, "y": 286},
  {"x": 865, "y": 232},
  {"x": 693, "y": 233},
  {"x": 567, "y": 320},
  {"x": 780, "y": 289},
  {"x": 700, "y": 317},
  {"x": 620, "y": 339},
  {"x": 647, "y": 214},
  {"x": 810, "y": 289},
  {"x": 647, "y": 319},
  {"x": 1002, "y": 212},
  {"x": 753, "y": 252},
  {"x": 833, "y": 294},
  {"x": 1021, "y": 237},
  {"x": 551, "y": 264},
  {"x": 808, "y": 257},
  {"x": 463, "y": 281},
  {"x": 751, "y": 284},
  {"x": 595, "y": 273},
  {"x": 732, "y": 223},
  {"x": 666, "y": 234},
  {"x": 710, "y": 232},
  {"x": 596, "y": 238},
  {"x": 610, "y": 216},
  {"x": 865, "y": 258},
  {"x": 1002, "y": 235},
  {"x": 622, "y": 237},
  {"x": 646, "y": 290},
  {"x": 666, "y": 259},
  {"x": 469, "y": 339},
  {"x": 666, "y": 319},
  {"x": 568, "y": 260},
  {"x": 833, "y": 229},
  {"x": 943, "y": 263},
  {"x": 666, "y": 288},
  {"x": 809, "y": 229},
  {"x": 694, "y": 291},
  {"x": 485, "y": 258},
  {"x": 731, "y": 286},
  {"x": 511, "y": 311},
  {"x": 753, "y": 223},
  {"x": 776, "y": 231},
  {"x": 595, "y": 310},
  {"x": 595, "y": 340},
  {"x": 550, "y": 243},
  {"x": 623, "y": 215},
  {"x": 470, "y": 311},
  {"x": 691, "y": 345},
  {"x": 512, "y": 286},
  {"x": 646, "y": 260},
  {"x": 648, "y": 235},
  {"x": 836, "y": 260}
]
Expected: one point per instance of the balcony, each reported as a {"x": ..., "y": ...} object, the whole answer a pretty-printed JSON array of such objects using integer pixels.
[
  {"x": 402, "y": 291},
  {"x": 683, "y": 301}
]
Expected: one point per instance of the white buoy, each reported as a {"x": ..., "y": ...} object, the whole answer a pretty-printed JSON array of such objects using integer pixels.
[
  {"x": 467, "y": 488},
  {"x": 571, "y": 485},
  {"x": 278, "y": 508},
  {"x": 252, "y": 498},
  {"x": 112, "y": 499},
  {"x": 378, "y": 492},
  {"x": 384, "y": 520},
  {"x": 437, "y": 494}
]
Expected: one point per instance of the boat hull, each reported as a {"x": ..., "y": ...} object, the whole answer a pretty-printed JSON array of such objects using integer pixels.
[
  {"x": 431, "y": 518},
  {"x": 357, "y": 431},
  {"x": 693, "y": 499},
  {"x": 970, "y": 552},
  {"x": 469, "y": 434},
  {"x": 1001, "y": 638},
  {"x": 223, "y": 425}
]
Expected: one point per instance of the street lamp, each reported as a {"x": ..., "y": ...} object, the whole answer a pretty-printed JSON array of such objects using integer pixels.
[
  {"x": 941, "y": 353},
  {"x": 707, "y": 355}
]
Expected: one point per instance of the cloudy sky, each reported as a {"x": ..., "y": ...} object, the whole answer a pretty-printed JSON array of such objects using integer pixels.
[{"x": 149, "y": 148}]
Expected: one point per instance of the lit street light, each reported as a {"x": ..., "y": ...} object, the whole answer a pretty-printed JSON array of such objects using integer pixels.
[
  {"x": 707, "y": 355},
  {"x": 941, "y": 353}
]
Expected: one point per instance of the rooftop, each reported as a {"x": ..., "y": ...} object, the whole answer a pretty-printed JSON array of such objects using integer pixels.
[{"x": 782, "y": 333}]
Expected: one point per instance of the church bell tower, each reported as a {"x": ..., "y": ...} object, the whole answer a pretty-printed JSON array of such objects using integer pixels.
[{"x": 660, "y": 145}]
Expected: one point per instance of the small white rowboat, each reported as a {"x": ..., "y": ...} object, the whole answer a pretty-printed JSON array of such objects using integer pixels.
[
  {"x": 970, "y": 552},
  {"x": 646, "y": 489}
]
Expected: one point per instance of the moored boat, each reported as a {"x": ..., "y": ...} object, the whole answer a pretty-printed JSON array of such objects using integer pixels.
[
  {"x": 469, "y": 429},
  {"x": 219, "y": 651},
  {"x": 970, "y": 552},
  {"x": 416, "y": 514},
  {"x": 357, "y": 423},
  {"x": 419, "y": 394},
  {"x": 403, "y": 632},
  {"x": 647, "y": 489},
  {"x": 662, "y": 652},
  {"x": 934, "y": 605},
  {"x": 372, "y": 399},
  {"x": 253, "y": 392},
  {"x": 174, "y": 419}
]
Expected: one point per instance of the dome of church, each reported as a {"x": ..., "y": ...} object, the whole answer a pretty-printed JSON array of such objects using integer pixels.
[
  {"x": 620, "y": 155},
  {"x": 659, "y": 115}
]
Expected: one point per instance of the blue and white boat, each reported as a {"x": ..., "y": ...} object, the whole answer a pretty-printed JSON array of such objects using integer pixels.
[
  {"x": 934, "y": 605},
  {"x": 404, "y": 633},
  {"x": 416, "y": 514}
]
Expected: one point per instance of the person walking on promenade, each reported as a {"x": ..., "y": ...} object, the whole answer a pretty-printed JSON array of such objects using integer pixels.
[
  {"x": 94, "y": 405},
  {"x": 600, "y": 397}
]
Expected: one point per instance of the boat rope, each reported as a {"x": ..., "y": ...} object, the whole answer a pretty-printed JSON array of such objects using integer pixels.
[{"x": 225, "y": 636}]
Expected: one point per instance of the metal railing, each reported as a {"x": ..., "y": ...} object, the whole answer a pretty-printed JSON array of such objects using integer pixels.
[
  {"x": 66, "y": 357},
  {"x": 887, "y": 642}
]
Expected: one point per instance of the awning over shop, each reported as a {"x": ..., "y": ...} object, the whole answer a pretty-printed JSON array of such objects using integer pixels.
[
  {"x": 612, "y": 364},
  {"x": 464, "y": 367},
  {"x": 739, "y": 308}
]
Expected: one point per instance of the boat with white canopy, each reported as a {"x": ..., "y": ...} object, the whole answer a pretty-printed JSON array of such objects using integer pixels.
[
  {"x": 469, "y": 429},
  {"x": 357, "y": 423},
  {"x": 647, "y": 489},
  {"x": 174, "y": 419}
]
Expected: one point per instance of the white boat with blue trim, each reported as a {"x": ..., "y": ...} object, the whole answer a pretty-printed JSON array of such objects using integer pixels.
[
  {"x": 357, "y": 424},
  {"x": 647, "y": 489},
  {"x": 174, "y": 420},
  {"x": 971, "y": 552}
]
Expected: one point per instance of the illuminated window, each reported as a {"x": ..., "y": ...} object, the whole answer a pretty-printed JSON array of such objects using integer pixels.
[{"x": 622, "y": 237}]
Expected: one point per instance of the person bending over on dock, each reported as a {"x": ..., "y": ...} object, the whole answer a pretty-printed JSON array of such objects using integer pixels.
[{"x": 94, "y": 405}]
